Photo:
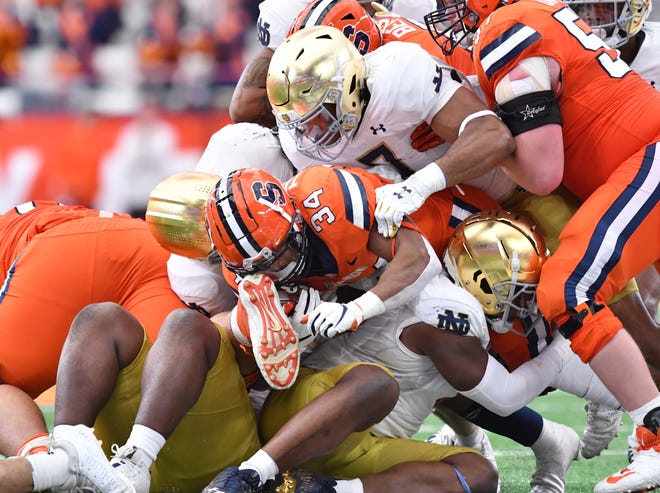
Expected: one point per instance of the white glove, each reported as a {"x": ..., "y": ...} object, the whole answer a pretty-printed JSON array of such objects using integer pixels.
[
  {"x": 308, "y": 300},
  {"x": 331, "y": 319},
  {"x": 399, "y": 199}
]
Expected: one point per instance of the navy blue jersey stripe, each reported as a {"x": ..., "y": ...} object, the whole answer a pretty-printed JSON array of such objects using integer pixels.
[
  {"x": 351, "y": 199},
  {"x": 606, "y": 223},
  {"x": 508, "y": 53}
]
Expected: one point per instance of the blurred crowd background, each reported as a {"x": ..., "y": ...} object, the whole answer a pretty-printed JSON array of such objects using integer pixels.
[
  {"x": 100, "y": 100},
  {"x": 113, "y": 56}
]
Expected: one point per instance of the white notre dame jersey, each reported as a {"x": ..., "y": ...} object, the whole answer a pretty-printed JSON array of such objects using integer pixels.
[
  {"x": 275, "y": 19},
  {"x": 647, "y": 61},
  {"x": 377, "y": 341},
  {"x": 407, "y": 86},
  {"x": 240, "y": 145}
]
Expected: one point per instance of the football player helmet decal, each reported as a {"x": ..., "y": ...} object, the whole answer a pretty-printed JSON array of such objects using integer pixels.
[
  {"x": 614, "y": 21},
  {"x": 346, "y": 15},
  {"x": 497, "y": 256},
  {"x": 254, "y": 227},
  {"x": 175, "y": 213},
  {"x": 315, "y": 85},
  {"x": 455, "y": 20}
]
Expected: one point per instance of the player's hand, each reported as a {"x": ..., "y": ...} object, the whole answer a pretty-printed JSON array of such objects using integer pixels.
[
  {"x": 393, "y": 202},
  {"x": 331, "y": 319},
  {"x": 424, "y": 138}
]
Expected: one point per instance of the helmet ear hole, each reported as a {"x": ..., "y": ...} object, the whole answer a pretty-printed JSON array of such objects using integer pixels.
[
  {"x": 497, "y": 256},
  {"x": 485, "y": 287}
]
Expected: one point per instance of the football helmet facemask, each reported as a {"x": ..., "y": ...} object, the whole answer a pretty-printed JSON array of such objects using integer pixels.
[
  {"x": 455, "y": 20},
  {"x": 175, "y": 213},
  {"x": 614, "y": 21},
  {"x": 346, "y": 15},
  {"x": 497, "y": 256},
  {"x": 314, "y": 84},
  {"x": 254, "y": 227}
]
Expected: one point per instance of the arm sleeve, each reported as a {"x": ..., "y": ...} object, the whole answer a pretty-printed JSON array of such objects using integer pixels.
[{"x": 503, "y": 393}]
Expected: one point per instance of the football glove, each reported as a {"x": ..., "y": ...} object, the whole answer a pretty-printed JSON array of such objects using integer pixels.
[
  {"x": 308, "y": 300},
  {"x": 399, "y": 199},
  {"x": 331, "y": 319},
  {"x": 424, "y": 138}
]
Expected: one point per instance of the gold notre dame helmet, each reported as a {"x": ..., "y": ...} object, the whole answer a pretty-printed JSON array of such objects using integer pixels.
[
  {"x": 497, "y": 256},
  {"x": 614, "y": 21},
  {"x": 175, "y": 213},
  {"x": 314, "y": 84}
]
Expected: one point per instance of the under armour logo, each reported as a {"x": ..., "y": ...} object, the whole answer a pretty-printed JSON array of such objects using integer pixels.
[
  {"x": 376, "y": 129},
  {"x": 404, "y": 189},
  {"x": 531, "y": 112},
  {"x": 437, "y": 80},
  {"x": 458, "y": 323}
]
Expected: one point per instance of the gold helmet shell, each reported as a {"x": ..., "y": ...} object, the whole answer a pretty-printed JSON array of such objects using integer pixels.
[
  {"x": 175, "y": 213},
  {"x": 314, "y": 84},
  {"x": 497, "y": 256}
]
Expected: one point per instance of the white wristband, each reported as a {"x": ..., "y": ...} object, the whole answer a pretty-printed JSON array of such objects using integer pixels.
[
  {"x": 370, "y": 304},
  {"x": 471, "y": 117},
  {"x": 429, "y": 179}
]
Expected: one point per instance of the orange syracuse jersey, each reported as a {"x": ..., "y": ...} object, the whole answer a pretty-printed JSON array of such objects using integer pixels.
[
  {"x": 338, "y": 206},
  {"x": 396, "y": 28},
  {"x": 609, "y": 112}
]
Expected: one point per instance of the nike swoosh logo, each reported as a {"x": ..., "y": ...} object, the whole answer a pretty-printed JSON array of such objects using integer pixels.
[
  {"x": 351, "y": 262},
  {"x": 618, "y": 476}
]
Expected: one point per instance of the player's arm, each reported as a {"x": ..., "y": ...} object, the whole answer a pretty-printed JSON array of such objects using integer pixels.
[
  {"x": 526, "y": 99},
  {"x": 412, "y": 264},
  {"x": 249, "y": 103},
  {"x": 480, "y": 141},
  {"x": 468, "y": 367}
]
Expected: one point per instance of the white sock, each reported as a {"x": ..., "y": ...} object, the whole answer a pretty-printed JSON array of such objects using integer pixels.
[
  {"x": 263, "y": 464},
  {"x": 352, "y": 486},
  {"x": 146, "y": 440},
  {"x": 49, "y": 470},
  {"x": 472, "y": 439},
  {"x": 637, "y": 415}
]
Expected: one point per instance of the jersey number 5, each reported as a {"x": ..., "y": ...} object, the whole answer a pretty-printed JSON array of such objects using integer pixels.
[{"x": 609, "y": 60}]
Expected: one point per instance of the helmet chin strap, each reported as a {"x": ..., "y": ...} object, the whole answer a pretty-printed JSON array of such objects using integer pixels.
[{"x": 276, "y": 208}]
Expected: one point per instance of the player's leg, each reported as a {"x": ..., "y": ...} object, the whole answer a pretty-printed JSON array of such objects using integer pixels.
[
  {"x": 103, "y": 339},
  {"x": 604, "y": 245},
  {"x": 316, "y": 423},
  {"x": 194, "y": 397},
  {"x": 22, "y": 426}
]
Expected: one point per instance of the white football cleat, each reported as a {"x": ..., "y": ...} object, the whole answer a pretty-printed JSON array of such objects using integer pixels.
[
  {"x": 273, "y": 340},
  {"x": 481, "y": 443},
  {"x": 643, "y": 473},
  {"x": 89, "y": 468},
  {"x": 126, "y": 461},
  {"x": 555, "y": 449},
  {"x": 602, "y": 427}
]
